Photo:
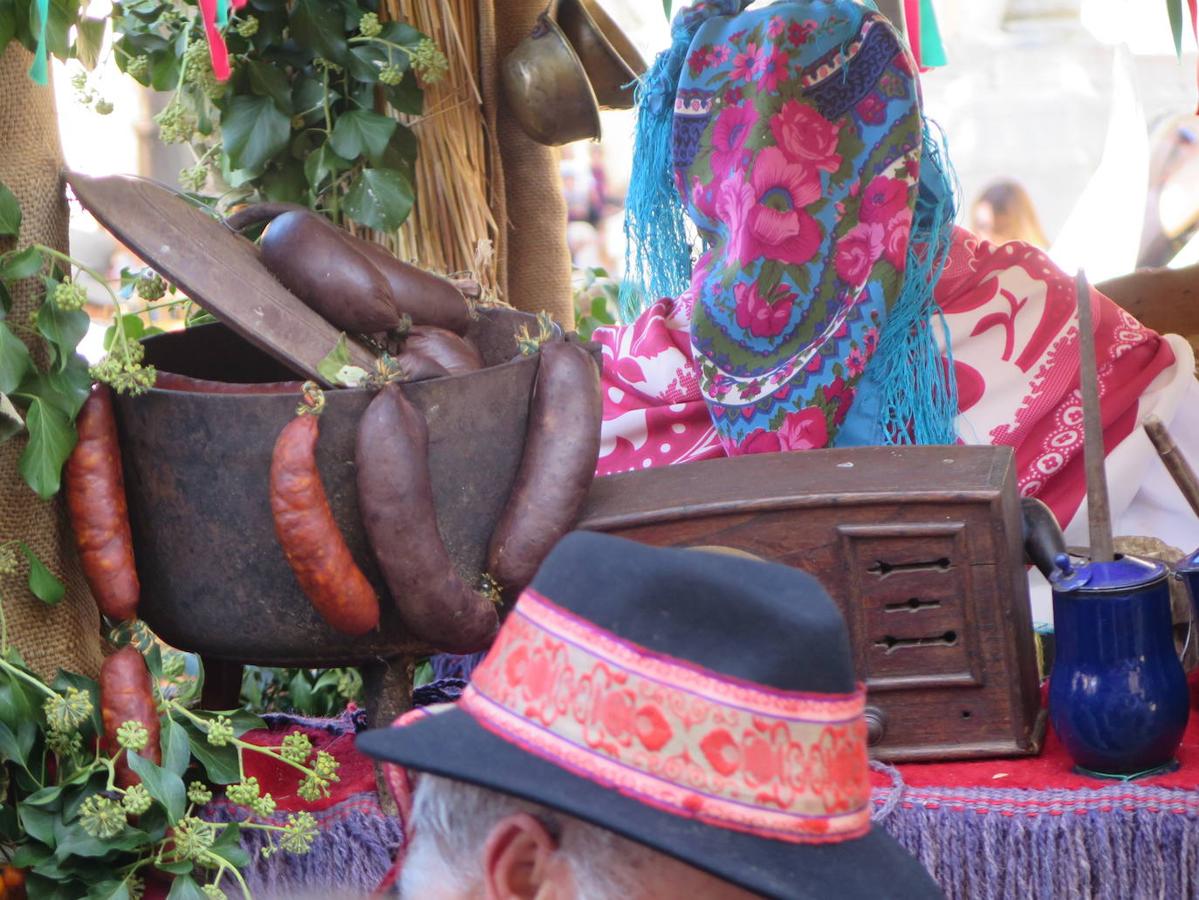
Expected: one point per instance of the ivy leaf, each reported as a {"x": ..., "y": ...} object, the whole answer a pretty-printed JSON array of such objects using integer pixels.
[
  {"x": 286, "y": 183},
  {"x": 108, "y": 890},
  {"x": 380, "y": 199},
  {"x": 38, "y": 823},
  {"x": 318, "y": 24},
  {"x": 164, "y": 786},
  {"x": 220, "y": 763},
  {"x": 42, "y": 582},
  {"x": 10, "y": 210},
  {"x": 185, "y": 888},
  {"x": 89, "y": 41},
  {"x": 65, "y": 390},
  {"x": 25, "y": 264},
  {"x": 8, "y": 23},
  {"x": 254, "y": 130},
  {"x": 269, "y": 81},
  {"x": 361, "y": 132},
  {"x": 323, "y": 163},
  {"x": 407, "y": 96},
  {"x": 64, "y": 329},
  {"x": 176, "y": 752},
  {"x": 228, "y": 847},
  {"x": 1174, "y": 8},
  {"x": 131, "y": 324},
  {"x": 666, "y": 4},
  {"x": 14, "y": 360},
  {"x": 51, "y": 440},
  {"x": 11, "y": 423}
]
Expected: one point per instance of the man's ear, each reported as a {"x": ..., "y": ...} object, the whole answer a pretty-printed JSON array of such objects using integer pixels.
[{"x": 518, "y": 861}]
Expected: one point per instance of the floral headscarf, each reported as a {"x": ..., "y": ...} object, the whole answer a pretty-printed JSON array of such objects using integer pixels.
[{"x": 797, "y": 145}]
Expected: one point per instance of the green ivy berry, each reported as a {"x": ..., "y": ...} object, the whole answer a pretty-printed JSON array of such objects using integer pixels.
[
  {"x": 369, "y": 25},
  {"x": 69, "y": 296},
  {"x": 220, "y": 732},
  {"x": 8, "y": 560},
  {"x": 137, "y": 800},
  {"x": 313, "y": 788},
  {"x": 138, "y": 67},
  {"x": 429, "y": 62},
  {"x": 248, "y": 27},
  {"x": 213, "y": 892},
  {"x": 326, "y": 765},
  {"x": 198, "y": 794},
  {"x": 193, "y": 837},
  {"x": 391, "y": 75},
  {"x": 103, "y": 107},
  {"x": 67, "y": 711},
  {"x": 101, "y": 817},
  {"x": 299, "y": 833},
  {"x": 79, "y": 80},
  {"x": 62, "y": 743},
  {"x": 296, "y": 748},
  {"x": 243, "y": 794},
  {"x": 133, "y": 736},
  {"x": 264, "y": 806}
]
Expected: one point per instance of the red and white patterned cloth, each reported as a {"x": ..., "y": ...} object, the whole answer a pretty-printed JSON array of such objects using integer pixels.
[{"x": 1014, "y": 337}]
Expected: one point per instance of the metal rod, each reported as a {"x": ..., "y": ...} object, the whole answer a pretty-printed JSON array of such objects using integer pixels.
[
  {"x": 1098, "y": 506},
  {"x": 1176, "y": 464}
]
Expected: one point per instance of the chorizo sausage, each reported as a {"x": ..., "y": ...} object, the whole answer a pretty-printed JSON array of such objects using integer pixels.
[
  {"x": 307, "y": 532},
  {"x": 562, "y": 441},
  {"x": 395, "y": 498},
  {"x": 95, "y": 488},
  {"x": 127, "y": 695}
]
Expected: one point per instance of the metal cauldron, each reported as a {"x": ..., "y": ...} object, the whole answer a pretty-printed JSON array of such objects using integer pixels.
[{"x": 214, "y": 580}]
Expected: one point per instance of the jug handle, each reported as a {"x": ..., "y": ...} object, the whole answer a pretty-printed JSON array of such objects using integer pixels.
[{"x": 1043, "y": 538}]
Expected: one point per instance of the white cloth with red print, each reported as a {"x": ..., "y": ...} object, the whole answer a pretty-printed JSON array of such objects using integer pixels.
[{"x": 1011, "y": 314}]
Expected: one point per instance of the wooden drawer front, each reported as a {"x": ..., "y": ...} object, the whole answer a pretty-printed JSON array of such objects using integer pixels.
[{"x": 909, "y": 589}]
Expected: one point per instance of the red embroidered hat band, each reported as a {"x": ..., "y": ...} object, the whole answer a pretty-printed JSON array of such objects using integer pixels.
[{"x": 781, "y": 765}]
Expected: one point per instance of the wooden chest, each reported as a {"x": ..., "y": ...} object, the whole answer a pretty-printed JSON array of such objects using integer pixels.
[{"x": 920, "y": 546}]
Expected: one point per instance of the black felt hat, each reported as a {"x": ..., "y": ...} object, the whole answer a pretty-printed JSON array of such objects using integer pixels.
[{"x": 699, "y": 704}]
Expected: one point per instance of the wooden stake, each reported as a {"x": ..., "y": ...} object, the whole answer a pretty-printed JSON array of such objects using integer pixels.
[
  {"x": 1098, "y": 506},
  {"x": 1176, "y": 464}
]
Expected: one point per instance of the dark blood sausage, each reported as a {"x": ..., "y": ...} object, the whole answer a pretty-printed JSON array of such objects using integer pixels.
[
  {"x": 313, "y": 261},
  {"x": 308, "y": 534},
  {"x": 127, "y": 695},
  {"x": 395, "y": 498},
  {"x": 415, "y": 366},
  {"x": 95, "y": 488},
  {"x": 429, "y": 299},
  {"x": 170, "y": 381},
  {"x": 260, "y": 214},
  {"x": 561, "y": 449},
  {"x": 455, "y": 353}
]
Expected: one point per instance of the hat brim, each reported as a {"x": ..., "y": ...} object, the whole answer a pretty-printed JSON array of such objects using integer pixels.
[{"x": 453, "y": 745}]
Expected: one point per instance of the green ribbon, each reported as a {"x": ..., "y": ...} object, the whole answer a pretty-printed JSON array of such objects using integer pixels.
[
  {"x": 932, "y": 48},
  {"x": 40, "y": 70},
  {"x": 1174, "y": 7}
]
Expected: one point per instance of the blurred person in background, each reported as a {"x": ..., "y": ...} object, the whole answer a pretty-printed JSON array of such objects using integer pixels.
[
  {"x": 1005, "y": 212},
  {"x": 1172, "y": 206}
]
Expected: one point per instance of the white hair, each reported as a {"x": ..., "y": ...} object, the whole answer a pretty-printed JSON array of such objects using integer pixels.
[{"x": 450, "y": 824}]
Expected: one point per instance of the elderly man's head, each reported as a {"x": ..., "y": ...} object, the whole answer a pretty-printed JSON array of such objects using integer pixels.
[{"x": 469, "y": 843}]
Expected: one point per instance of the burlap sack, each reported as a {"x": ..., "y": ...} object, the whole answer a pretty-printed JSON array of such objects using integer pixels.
[
  {"x": 534, "y": 206},
  {"x": 65, "y": 636}
]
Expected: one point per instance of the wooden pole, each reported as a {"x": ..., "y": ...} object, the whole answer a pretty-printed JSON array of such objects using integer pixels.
[
  {"x": 1176, "y": 464},
  {"x": 1098, "y": 506}
]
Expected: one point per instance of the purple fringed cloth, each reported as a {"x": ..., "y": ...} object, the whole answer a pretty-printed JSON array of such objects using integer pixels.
[
  {"x": 1055, "y": 836},
  {"x": 1119, "y": 842}
]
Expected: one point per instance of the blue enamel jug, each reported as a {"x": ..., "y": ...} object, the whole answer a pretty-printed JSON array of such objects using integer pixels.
[{"x": 1118, "y": 696}]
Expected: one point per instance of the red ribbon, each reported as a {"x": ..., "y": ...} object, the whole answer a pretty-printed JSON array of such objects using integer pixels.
[
  {"x": 216, "y": 41},
  {"x": 911, "y": 15}
]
